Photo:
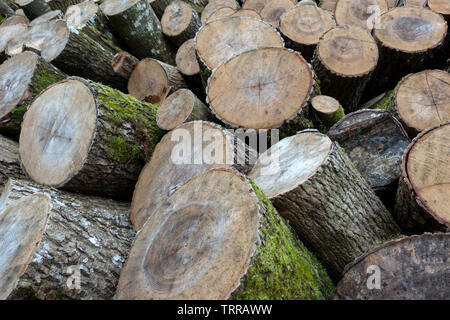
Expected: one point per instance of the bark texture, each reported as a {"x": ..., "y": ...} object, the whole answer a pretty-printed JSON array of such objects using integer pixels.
[
  {"x": 9, "y": 161},
  {"x": 35, "y": 8}
]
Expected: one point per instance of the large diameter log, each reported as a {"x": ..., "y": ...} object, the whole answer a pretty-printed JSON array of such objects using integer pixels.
[
  {"x": 312, "y": 183},
  {"x": 255, "y": 90},
  {"x": 424, "y": 188},
  {"x": 190, "y": 149},
  {"x": 411, "y": 268},
  {"x": 54, "y": 235},
  {"x": 186, "y": 59},
  {"x": 89, "y": 138},
  {"x": 343, "y": 61},
  {"x": 33, "y": 8},
  {"x": 124, "y": 63},
  {"x": 152, "y": 80},
  {"x": 361, "y": 13},
  {"x": 22, "y": 78},
  {"x": 9, "y": 161},
  {"x": 375, "y": 142},
  {"x": 218, "y": 237},
  {"x": 75, "y": 53},
  {"x": 303, "y": 26},
  {"x": 274, "y": 9},
  {"x": 409, "y": 39},
  {"x": 213, "y": 5},
  {"x": 181, "y": 106},
  {"x": 12, "y": 28},
  {"x": 138, "y": 26},
  {"x": 180, "y": 22}
]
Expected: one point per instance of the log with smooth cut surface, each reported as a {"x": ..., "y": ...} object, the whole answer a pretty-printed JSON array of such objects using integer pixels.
[
  {"x": 328, "y": 109},
  {"x": 186, "y": 59},
  {"x": 180, "y": 22},
  {"x": 12, "y": 28},
  {"x": 274, "y": 9},
  {"x": 411, "y": 268},
  {"x": 344, "y": 60},
  {"x": 260, "y": 89},
  {"x": 440, "y": 6},
  {"x": 218, "y": 237},
  {"x": 49, "y": 236},
  {"x": 214, "y": 5},
  {"x": 256, "y": 5},
  {"x": 188, "y": 150},
  {"x": 424, "y": 189},
  {"x": 221, "y": 13},
  {"x": 359, "y": 12},
  {"x": 89, "y": 138},
  {"x": 54, "y": 14},
  {"x": 313, "y": 184}
]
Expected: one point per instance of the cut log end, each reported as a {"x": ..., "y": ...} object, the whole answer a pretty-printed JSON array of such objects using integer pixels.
[
  {"x": 411, "y": 29},
  {"x": 176, "y": 109},
  {"x": 124, "y": 63},
  {"x": 221, "y": 13},
  {"x": 359, "y": 12},
  {"x": 114, "y": 7},
  {"x": 12, "y": 28},
  {"x": 78, "y": 15},
  {"x": 274, "y": 9},
  {"x": 264, "y": 92},
  {"x": 54, "y": 14},
  {"x": 440, "y": 6},
  {"x": 186, "y": 59},
  {"x": 213, "y": 6},
  {"x": 176, "y": 18},
  {"x": 256, "y": 5}
]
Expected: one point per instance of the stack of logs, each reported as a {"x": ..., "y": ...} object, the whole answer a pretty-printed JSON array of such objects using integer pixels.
[{"x": 133, "y": 149}]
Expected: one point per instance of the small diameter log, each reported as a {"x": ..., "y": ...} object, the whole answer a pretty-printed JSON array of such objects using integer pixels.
[
  {"x": 85, "y": 137},
  {"x": 218, "y": 237},
  {"x": 375, "y": 142},
  {"x": 11, "y": 28},
  {"x": 54, "y": 235},
  {"x": 9, "y": 161},
  {"x": 408, "y": 41},
  {"x": 152, "y": 80},
  {"x": 303, "y": 26},
  {"x": 51, "y": 15},
  {"x": 140, "y": 29},
  {"x": 411, "y": 268},
  {"x": 124, "y": 63},
  {"x": 344, "y": 60},
  {"x": 213, "y": 5},
  {"x": 180, "y": 22},
  {"x": 87, "y": 17},
  {"x": 424, "y": 188},
  {"x": 75, "y": 53},
  {"x": 62, "y": 4},
  {"x": 181, "y": 106},
  {"x": 318, "y": 189},
  {"x": 221, "y": 13},
  {"x": 359, "y": 12},
  {"x": 22, "y": 78},
  {"x": 220, "y": 40},
  {"x": 274, "y": 9},
  {"x": 33, "y": 8},
  {"x": 190, "y": 149},
  {"x": 256, "y": 5},
  {"x": 186, "y": 59},
  {"x": 328, "y": 109},
  {"x": 254, "y": 90}
]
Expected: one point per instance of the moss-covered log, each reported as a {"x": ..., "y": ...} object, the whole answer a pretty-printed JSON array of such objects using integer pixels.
[
  {"x": 33, "y": 8},
  {"x": 100, "y": 138},
  {"x": 23, "y": 77},
  {"x": 313, "y": 184},
  {"x": 9, "y": 161},
  {"x": 57, "y": 236},
  {"x": 218, "y": 237},
  {"x": 136, "y": 23}
]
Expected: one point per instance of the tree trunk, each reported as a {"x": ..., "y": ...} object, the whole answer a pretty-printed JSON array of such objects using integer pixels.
[
  {"x": 190, "y": 149},
  {"x": 328, "y": 109},
  {"x": 343, "y": 61},
  {"x": 180, "y": 22},
  {"x": 152, "y": 80},
  {"x": 375, "y": 142},
  {"x": 33, "y": 8},
  {"x": 408, "y": 41},
  {"x": 24, "y": 75},
  {"x": 324, "y": 197},
  {"x": 181, "y": 106},
  {"x": 422, "y": 196},
  {"x": 9, "y": 161},
  {"x": 274, "y": 9},
  {"x": 411, "y": 268},
  {"x": 75, "y": 53},
  {"x": 57, "y": 235},
  {"x": 62, "y": 4},
  {"x": 106, "y": 137},
  {"x": 124, "y": 63},
  {"x": 213, "y": 5},
  {"x": 235, "y": 246},
  {"x": 138, "y": 26},
  {"x": 303, "y": 26}
]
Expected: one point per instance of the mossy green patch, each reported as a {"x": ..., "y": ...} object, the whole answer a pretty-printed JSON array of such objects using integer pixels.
[
  {"x": 120, "y": 151},
  {"x": 283, "y": 268},
  {"x": 44, "y": 76},
  {"x": 25, "y": 293},
  {"x": 339, "y": 114}
]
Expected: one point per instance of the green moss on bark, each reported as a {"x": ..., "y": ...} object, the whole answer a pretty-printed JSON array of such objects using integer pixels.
[
  {"x": 339, "y": 114},
  {"x": 282, "y": 268}
]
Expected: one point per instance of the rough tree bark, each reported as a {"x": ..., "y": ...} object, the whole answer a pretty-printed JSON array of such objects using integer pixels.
[
  {"x": 319, "y": 191},
  {"x": 411, "y": 268},
  {"x": 23, "y": 77},
  {"x": 246, "y": 241},
  {"x": 93, "y": 140},
  {"x": 9, "y": 161},
  {"x": 168, "y": 169},
  {"x": 423, "y": 193},
  {"x": 343, "y": 61},
  {"x": 33, "y": 8},
  {"x": 57, "y": 234},
  {"x": 180, "y": 22}
]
